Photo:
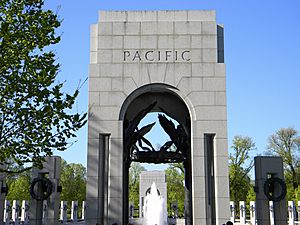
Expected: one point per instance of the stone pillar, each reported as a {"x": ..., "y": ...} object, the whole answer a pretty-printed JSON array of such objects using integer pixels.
[
  {"x": 209, "y": 167},
  {"x": 265, "y": 168},
  {"x": 2, "y": 194},
  {"x": 51, "y": 168},
  {"x": 54, "y": 164},
  {"x": 36, "y": 208},
  {"x": 97, "y": 182}
]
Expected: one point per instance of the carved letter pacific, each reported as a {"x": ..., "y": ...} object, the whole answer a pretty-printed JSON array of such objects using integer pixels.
[{"x": 156, "y": 55}]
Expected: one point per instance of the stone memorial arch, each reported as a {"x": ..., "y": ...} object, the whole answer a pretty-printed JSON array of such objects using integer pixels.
[{"x": 170, "y": 62}]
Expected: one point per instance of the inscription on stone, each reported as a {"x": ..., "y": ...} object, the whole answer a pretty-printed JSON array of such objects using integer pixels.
[{"x": 156, "y": 56}]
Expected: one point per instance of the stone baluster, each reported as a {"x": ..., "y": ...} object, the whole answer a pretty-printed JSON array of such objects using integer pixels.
[
  {"x": 3, "y": 193},
  {"x": 232, "y": 211},
  {"x": 83, "y": 212},
  {"x": 74, "y": 211},
  {"x": 298, "y": 210},
  {"x": 242, "y": 212},
  {"x": 252, "y": 213},
  {"x": 63, "y": 212},
  {"x": 15, "y": 212},
  {"x": 173, "y": 207},
  {"x": 291, "y": 211},
  {"x": 7, "y": 211},
  {"x": 25, "y": 212},
  {"x": 271, "y": 209},
  {"x": 45, "y": 212}
]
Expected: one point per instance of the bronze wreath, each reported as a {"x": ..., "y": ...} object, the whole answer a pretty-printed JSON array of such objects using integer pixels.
[
  {"x": 46, "y": 188},
  {"x": 269, "y": 189}
]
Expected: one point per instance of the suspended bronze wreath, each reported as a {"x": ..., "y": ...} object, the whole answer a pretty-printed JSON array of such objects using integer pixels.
[
  {"x": 269, "y": 189},
  {"x": 46, "y": 186}
]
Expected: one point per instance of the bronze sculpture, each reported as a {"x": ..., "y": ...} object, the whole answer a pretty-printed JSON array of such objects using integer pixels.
[
  {"x": 134, "y": 135},
  {"x": 174, "y": 150}
]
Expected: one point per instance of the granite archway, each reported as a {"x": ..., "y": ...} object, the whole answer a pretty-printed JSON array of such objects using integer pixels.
[
  {"x": 183, "y": 71},
  {"x": 164, "y": 99}
]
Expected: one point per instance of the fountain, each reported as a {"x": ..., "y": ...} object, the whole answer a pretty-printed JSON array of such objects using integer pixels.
[{"x": 155, "y": 210}]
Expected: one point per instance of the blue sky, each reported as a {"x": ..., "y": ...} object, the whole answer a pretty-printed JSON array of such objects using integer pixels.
[{"x": 262, "y": 54}]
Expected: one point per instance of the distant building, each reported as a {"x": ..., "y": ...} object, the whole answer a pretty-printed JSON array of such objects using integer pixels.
[{"x": 146, "y": 180}]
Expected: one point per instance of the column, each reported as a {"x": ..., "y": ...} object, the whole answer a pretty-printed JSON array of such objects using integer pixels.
[{"x": 97, "y": 180}]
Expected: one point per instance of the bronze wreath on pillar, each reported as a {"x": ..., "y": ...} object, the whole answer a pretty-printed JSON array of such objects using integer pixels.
[
  {"x": 46, "y": 186},
  {"x": 269, "y": 189}
]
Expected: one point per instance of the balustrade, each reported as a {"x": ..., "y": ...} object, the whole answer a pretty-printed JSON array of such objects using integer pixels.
[
  {"x": 247, "y": 214},
  {"x": 17, "y": 214}
]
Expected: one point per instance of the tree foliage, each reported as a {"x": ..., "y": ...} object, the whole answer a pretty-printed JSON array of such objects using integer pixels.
[
  {"x": 73, "y": 182},
  {"x": 286, "y": 144},
  {"x": 18, "y": 186},
  {"x": 251, "y": 195},
  {"x": 134, "y": 182},
  {"x": 35, "y": 114},
  {"x": 239, "y": 167},
  {"x": 175, "y": 187}
]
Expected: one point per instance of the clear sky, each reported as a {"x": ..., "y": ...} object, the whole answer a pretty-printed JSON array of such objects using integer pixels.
[{"x": 262, "y": 55}]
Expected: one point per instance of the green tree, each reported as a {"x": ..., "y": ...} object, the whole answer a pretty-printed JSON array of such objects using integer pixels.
[
  {"x": 175, "y": 187},
  {"x": 134, "y": 182},
  {"x": 239, "y": 167},
  {"x": 286, "y": 143},
  {"x": 251, "y": 195},
  {"x": 297, "y": 195},
  {"x": 18, "y": 186},
  {"x": 35, "y": 114},
  {"x": 73, "y": 182}
]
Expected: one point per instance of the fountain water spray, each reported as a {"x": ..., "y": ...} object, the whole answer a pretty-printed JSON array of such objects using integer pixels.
[{"x": 155, "y": 210}]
